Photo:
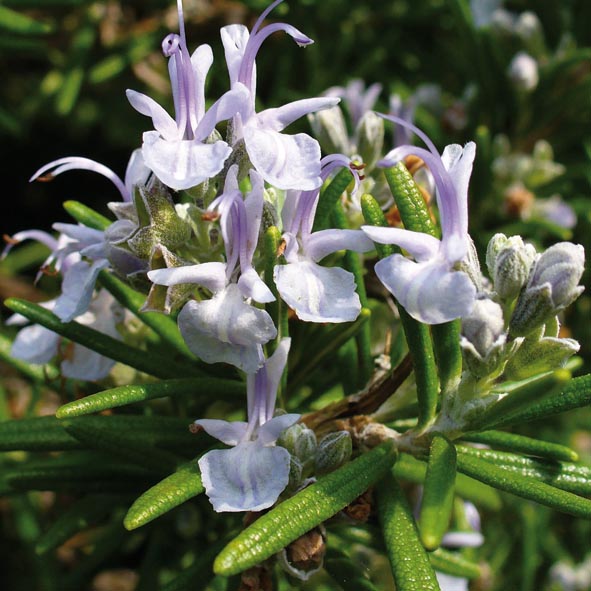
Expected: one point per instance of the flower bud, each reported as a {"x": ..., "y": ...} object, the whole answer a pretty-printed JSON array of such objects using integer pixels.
[
  {"x": 301, "y": 444},
  {"x": 370, "y": 132},
  {"x": 333, "y": 451},
  {"x": 552, "y": 286},
  {"x": 483, "y": 337},
  {"x": 523, "y": 71},
  {"x": 529, "y": 28},
  {"x": 330, "y": 130},
  {"x": 509, "y": 261}
]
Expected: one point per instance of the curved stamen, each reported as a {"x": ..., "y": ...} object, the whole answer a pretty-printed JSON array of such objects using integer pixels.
[
  {"x": 263, "y": 16},
  {"x": 79, "y": 163}
]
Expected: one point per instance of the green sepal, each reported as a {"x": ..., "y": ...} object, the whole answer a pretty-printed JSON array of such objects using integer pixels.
[
  {"x": 37, "y": 373},
  {"x": 87, "y": 216},
  {"x": 169, "y": 493},
  {"x": 438, "y": 492},
  {"x": 409, "y": 561},
  {"x": 304, "y": 511},
  {"x": 525, "y": 487},
  {"x": 123, "y": 395},
  {"x": 574, "y": 478},
  {"x": 164, "y": 326},
  {"x": 329, "y": 197},
  {"x": 520, "y": 399},
  {"x": 346, "y": 573},
  {"x": 452, "y": 563},
  {"x": 145, "y": 361},
  {"x": 409, "y": 468},
  {"x": 521, "y": 444},
  {"x": 414, "y": 212},
  {"x": 81, "y": 515}
]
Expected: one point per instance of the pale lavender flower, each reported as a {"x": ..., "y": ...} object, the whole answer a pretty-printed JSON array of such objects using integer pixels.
[
  {"x": 358, "y": 99},
  {"x": 177, "y": 151},
  {"x": 37, "y": 344},
  {"x": 226, "y": 327},
  {"x": 431, "y": 289},
  {"x": 316, "y": 293},
  {"x": 404, "y": 110},
  {"x": 285, "y": 161},
  {"x": 251, "y": 475}
]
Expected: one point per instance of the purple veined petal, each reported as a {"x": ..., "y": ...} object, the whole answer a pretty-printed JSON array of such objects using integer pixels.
[
  {"x": 430, "y": 292},
  {"x": 83, "y": 235},
  {"x": 318, "y": 294},
  {"x": 289, "y": 210},
  {"x": 270, "y": 432},
  {"x": 212, "y": 276},
  {"x": 365, "y": 102},
  {"x": 248, "y": 477},
  {"x": 182, "y": 164},
  {"x": 136, "y": 174},
  {"x": 252, "y": 286},
  {"x": 253, "y": 207},
  {"x": 35, "y": 344},
  {"x": 234, "y": 40},
  {"x": 201, "y": 60},
  {"x": 229, "y": 104},
  {"x": 164, "y": 124},
  {"x": 462, "y": 539},
  {"x": 228, "y": 318},
  {"x": 230, "y": 433},
  {"x": 38, "y": 235},
  {"x": 56, "y": 167},
  {"x": 77, "y": 289},
  {"x": 279, "y": 118},
  {"x": 274, "y": 367},
  {"x": 421, "y": 246},
  {"x": 285, "y": 161},
  {"x": 322, "y": 243}
]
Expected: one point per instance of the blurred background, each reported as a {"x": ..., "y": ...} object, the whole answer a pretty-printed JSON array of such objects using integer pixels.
[{"x": 65, "y": 66}]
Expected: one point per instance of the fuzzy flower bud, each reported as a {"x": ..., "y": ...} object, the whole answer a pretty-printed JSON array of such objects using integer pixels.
[
  {"x": 330, "y": 130},
  {"x": 371, "y": 138},
  {"x": 509, "y": 261},
  {"x": 483, "y": 337},
  {"x": 553, "y": 285},
  {"x": 333, "y": 451},
  {"x": 523, "y": 71}
]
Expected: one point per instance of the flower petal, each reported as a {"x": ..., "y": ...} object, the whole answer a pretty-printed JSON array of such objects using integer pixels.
[
  {"x": 270, "y": 431},
  {"x": 77, "y": 289},
  {"x": 212, "y": 276},
  {"x": 429, "y": 292},
  {"x": 325, "y": 242},
  {"x": 182, "y": 164},
  {"x": 234, "y": 40},
  {"x": 230, "y": 433},
  {"x": 85, "y": 364},
  {"x": 252, "y": 286},
  {"x": 248, "y": 477},
  {"x": 279, "y": 118},
  {"x": 229, "y": 104},
  {"x": 164, "y": 124},
  {"x": 421, "y": 246},
  {"x": 318, "y": 294},
  {"x": 285, "y": 161},
  {"x": 35, "y": 344}
]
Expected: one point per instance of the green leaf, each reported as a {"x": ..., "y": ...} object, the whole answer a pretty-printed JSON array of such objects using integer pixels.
[
  {"x": 304, "y": 511},
  {"x": 410, "y": 564},
  {"x": 446, "y": 344},
  {"x": 575, "y": 478},
  {"x": 145, "y": 361},
  {"x": 169, "y": 493},
  {"x": 329, "y": 196},
  {"x": 123, "y": 395},
  {"x": 164, "y": 326},
  {"x": 575, "y": 394},
  {"x": 87, "y": 216},
  {"x": 438, "y": 492},
  {"x": 374, "y": 216},
  {"x": 17, "y": 22},
  {"x": 414, "y": 212},
  {"x": 36, "y": 434},
  {"x": 409, "y": 468},
  {"x": 452, "y": 563},
  {"x": 520, "y": 399},
  {"x": 520, "y": 443},
  {"x": 81, "y": 515},
  {"x": 525, "y": 487}
]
